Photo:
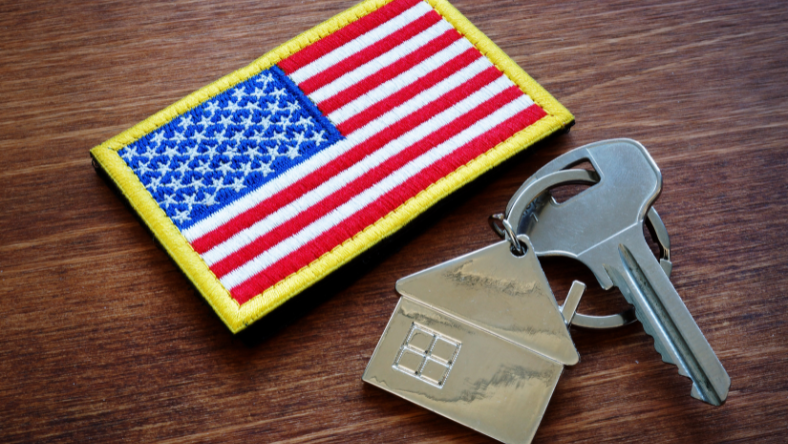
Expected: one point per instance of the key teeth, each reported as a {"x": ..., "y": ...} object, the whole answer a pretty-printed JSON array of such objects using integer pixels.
[
  {"x": 663, "y": 352},
  {"x": 666, "y": 357},
  {"x": 657, "y": 343}
]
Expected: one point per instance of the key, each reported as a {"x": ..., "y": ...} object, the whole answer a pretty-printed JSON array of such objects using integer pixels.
[{"x": 603, "y": 228}]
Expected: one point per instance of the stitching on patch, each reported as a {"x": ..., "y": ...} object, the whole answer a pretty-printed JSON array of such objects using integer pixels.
[
  {"x": 240, "y": 127},
  {"x": 429, "y": 189},
  {"x": 224, "y": 83},
  {"x": 333, "y": 252},
  {"x": 485, "y": 53}
]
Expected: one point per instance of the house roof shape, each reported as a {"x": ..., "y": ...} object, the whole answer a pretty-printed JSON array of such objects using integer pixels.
[{"x": 500, "y": 292}]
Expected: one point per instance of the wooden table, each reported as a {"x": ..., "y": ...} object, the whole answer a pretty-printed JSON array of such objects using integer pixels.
[{"x": 103, "y": 339}]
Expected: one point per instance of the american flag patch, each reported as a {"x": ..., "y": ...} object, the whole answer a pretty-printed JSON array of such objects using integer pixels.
[{"x": 264, "y": 182}]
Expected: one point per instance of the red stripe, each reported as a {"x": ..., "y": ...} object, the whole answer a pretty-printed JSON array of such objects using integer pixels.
[
  {"x": 407, "y": 93},
  {"x": 334, "y": 72},
  {"x": 365, "y": 181},
  {"x": 387, "y": 203},
  {"x": 333, "y": 41},
  {"x": 294, "y": 191},
  {"x": 353, "y": 92}
]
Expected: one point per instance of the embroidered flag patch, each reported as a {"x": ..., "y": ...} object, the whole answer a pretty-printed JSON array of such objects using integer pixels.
[{"x": 262, "y": 183}]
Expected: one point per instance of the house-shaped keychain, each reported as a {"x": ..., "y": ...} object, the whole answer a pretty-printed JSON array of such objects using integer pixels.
[{"x": 479, "y": 339}]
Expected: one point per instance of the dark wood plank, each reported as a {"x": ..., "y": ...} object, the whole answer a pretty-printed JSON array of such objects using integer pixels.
[{"x": 103, "y": 338}]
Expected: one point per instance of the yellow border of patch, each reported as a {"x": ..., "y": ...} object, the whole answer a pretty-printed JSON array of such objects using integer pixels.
[{"x": 237, "y": 317}]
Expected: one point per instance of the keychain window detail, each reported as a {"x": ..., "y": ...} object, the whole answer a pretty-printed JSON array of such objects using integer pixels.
[{"x": 427, "y": 355}]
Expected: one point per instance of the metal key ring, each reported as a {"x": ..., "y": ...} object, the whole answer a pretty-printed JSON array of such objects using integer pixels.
[{"x": 577, "y": 176}]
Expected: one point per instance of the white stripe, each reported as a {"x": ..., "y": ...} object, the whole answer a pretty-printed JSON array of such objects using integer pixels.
[
  {"x": 315, "y": 196},
  {"x": 362, "y": 72},
  {"x": 401, "y": 81},
  {"x": 359, "y": 202},
  {"x": 325, "y": 156},
  {"x": 361, "y": 42}
]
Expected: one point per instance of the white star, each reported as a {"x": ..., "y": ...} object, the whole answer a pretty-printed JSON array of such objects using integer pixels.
[
  {"x": 150, "y": 151},
  {"x": 285, "y": 123},
  {"x": 169, "y": 199},
  {"x": 217, "y": 183},
  {"x": 225, "y": 168},
  {"x": 265, "y": 79},
  {"x": 232, "y": 150},
  {"x": 266, "y": 122},
  {"x": 212, "y": 152},
  {"x": 189, "y": 199},
  {"x": 209, "y": 199},
  {"x": 318, "y": 138},
  {"x": 192, "y": 152},
  {"x": 171, "y": 151},
  {"x": 181, "y": 216},
  {"x": 264, "y": 168},
  {"x": 279, "y": 137},
  {"x": 185, "y": 122},
  {"x": 306, "y": 122},
  {"x": 248, "y": 121},
  {"x": 238, "y": 137},
  {"x": 246, "y": 168},
  {"x": 292, "y": 106},
  {"x": 155, "y": 183},
  {"x": 238, "y": 184},
  {"x": 299, "y": 138},
  {"x": 203, "y": 168},
  {"x": 199, "y": 136},
  {"x": 272, "y": 107},
  {"x": 292, "y": 152},
  {"x": 142, "y": 168},
  {"x": 233, "y": 107},
  {"x": 253, "y": 151},
  {"x": 273, "y": 152},
  {"x": 239, "y": 94},
  {"x": 197, "y": 184},
  {"x": 219, "y": 137},
  {"x": 278, "y": 92},
  {"x": 258, "y": 137},
  {"x": 258, "y": 93},
  {"x": 182, "y": 168},
  {"x": 158, "y": 138},
  {"x": 205, "y": 121},
  {"x": 163, "y": 168},
  {"x": 212, "y": 107},
  {"x": 178, "y": 137},
  {"x": 226, "y": 120},
  {"x": 252, "y": 106}
]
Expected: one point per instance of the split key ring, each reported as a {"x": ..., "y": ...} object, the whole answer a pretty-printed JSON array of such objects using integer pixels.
[{"x": 538, "y": 193}]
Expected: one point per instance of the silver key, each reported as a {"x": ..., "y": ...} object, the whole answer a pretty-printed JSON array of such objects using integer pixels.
[{"x": 603, "y": 228}]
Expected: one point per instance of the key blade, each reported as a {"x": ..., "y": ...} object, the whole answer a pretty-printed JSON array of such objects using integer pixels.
[{"x": 664, "y": 316}]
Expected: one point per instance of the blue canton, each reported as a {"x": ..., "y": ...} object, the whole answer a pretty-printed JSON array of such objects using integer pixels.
[{"x": 228, "y": 146}]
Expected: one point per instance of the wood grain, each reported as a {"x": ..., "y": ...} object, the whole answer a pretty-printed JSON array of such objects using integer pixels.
[{"x": 102, "y": 338}]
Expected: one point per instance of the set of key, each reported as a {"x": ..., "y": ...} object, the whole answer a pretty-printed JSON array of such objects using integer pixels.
[
  {"x": 480, "y": 338},
  {"x": 602, "y": 227}
]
